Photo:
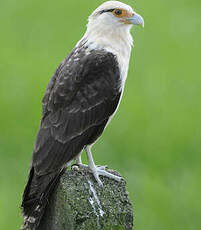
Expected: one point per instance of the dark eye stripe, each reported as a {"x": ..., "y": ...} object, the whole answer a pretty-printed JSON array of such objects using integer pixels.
[{"x": 105, "y": 11}]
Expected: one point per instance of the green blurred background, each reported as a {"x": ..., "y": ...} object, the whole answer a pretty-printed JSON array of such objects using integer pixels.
[{"x": 155, "y": 139}]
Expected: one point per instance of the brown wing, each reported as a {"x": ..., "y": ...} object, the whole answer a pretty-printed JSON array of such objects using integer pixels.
[{"x": 81, "y": 96}]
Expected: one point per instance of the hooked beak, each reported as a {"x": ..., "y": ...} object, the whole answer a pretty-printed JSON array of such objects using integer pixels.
[{"x": 136, "y": 20}]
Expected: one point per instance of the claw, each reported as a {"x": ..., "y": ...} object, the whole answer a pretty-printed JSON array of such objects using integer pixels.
[
  {"x": 75, "y": 167},
  {"x": 82, "y": 166},
  {"x": 96, "y": 176},
  {"x": 103, "y": 167},
  {"x": 102, "y": 172}
]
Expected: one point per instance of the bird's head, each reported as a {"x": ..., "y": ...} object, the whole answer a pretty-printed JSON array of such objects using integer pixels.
[
  {"x": 109, "y": 28},
  {"x": 115, "y": 14}
]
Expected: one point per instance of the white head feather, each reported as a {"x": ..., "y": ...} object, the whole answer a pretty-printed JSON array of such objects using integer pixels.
[
  {"x": 107, "y": 26},
  {"x": 105, "y": 30}
]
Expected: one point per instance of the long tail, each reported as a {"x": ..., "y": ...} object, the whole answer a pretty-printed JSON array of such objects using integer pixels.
[{"x": 35, "y": 198}]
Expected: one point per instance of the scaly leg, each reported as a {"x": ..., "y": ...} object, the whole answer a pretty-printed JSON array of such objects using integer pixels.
[
  {"x": 79, "y": 162},
  {"x": 98, "y": 171},
  {"x": 81, "y": 165},
  {"x": 79, "y": 159}
]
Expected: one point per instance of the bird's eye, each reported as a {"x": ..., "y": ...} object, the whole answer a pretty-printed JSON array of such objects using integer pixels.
[{"x": 118, "y": 12}]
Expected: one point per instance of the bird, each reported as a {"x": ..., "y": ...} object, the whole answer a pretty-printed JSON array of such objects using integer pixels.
[{"x": 81, "y": 99}]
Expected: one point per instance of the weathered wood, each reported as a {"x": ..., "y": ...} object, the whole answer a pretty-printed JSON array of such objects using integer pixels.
[{"x": 79, "y": 203}]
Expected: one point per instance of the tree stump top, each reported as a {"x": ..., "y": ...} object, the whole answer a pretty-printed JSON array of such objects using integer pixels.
[{"x": 79, "y": 203}]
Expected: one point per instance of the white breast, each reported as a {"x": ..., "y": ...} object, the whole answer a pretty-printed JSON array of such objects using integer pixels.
[{"x": 119, "y": 43}]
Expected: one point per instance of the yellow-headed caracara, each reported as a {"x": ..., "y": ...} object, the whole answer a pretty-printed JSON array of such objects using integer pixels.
[{"x": 81, "y": 99}]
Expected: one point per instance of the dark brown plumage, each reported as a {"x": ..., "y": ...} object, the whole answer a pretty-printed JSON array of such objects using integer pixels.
[{"x": 80, "y": 98}]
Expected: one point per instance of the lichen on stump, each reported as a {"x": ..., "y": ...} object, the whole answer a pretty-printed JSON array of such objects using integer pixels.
[{"x": 79, "y": 203}]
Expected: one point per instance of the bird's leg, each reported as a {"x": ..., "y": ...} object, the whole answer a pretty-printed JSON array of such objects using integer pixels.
[
  {"x": 98, "y": 170},
  {"x": 81, "y": 165},
  {"x": 79, "y": 159}
]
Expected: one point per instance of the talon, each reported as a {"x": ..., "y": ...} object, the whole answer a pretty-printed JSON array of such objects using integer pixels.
[
  {"x": 103, "y": 167},
  {"x": 75, "y": 167},
  {"x": 98, "y": 179},
  {"x": 82, "y": 166}
]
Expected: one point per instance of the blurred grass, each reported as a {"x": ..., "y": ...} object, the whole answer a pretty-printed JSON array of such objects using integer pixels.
[{"x": 155, "y": 139}]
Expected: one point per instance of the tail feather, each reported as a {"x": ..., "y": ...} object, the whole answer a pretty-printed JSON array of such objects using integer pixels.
[{"x": 36, "y": 195}]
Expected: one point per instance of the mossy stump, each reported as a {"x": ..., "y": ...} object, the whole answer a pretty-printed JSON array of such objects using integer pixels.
[{"x": 79, "y": 203}]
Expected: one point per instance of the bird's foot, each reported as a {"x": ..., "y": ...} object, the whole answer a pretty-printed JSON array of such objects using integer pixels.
[
  {"x": 100, "y": 171},
  {"x": 79, "y": 165},
  {"x": 83, "y": 166}
]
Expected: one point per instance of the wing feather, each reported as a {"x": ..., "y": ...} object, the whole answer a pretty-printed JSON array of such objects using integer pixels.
[{"x": 79, "y": 100}]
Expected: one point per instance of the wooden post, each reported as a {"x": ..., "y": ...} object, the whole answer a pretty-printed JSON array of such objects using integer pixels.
[{"x": 79, "y": 203}]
